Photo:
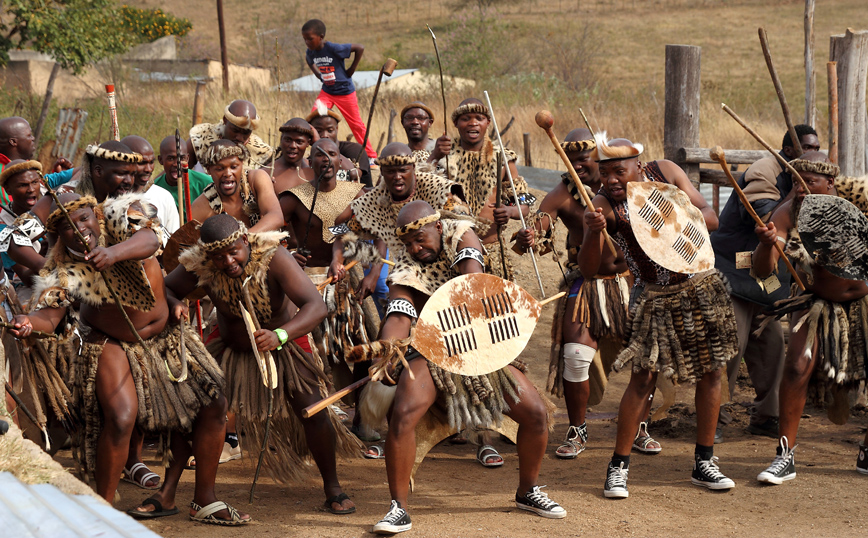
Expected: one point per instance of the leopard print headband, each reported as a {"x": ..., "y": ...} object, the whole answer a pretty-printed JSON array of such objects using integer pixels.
[
  {"x": 396, "y": 160},
  {"x": 111, "y": 155},
  {"x": 71, "y": 207},
  {"x": 417, "y": 224},
  {"x": 214, "y": 154},
  {"x": 579, "y": 145},
  {"x": 214, "y": 246},
  {"x": 470, "y": 108},
  {"x": 826, "y": 169}
]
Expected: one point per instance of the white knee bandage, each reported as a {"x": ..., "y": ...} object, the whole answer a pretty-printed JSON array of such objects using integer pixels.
[{"x": 577, "y": 362}]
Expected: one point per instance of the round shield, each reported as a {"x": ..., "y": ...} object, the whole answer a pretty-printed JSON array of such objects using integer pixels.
[
  {"x": 476, "y": 324},
  {"x": 668, "y": 227},
  {"x": 835, "y": 234}
]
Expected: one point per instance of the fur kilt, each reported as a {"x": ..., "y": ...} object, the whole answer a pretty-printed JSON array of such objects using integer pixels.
[
  {"x": 837, "y": 329},
  {"x": 163, "y": 404},
  {"x": 682, "y": 331},
  {"x": 602, "y": 307},
  {"x": 348, "y": 322},
  {"x": 297, "y": 373},
  {"x": 493, "y": 263}
]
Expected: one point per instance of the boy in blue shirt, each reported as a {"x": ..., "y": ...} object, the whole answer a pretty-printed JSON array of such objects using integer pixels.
[{"x": 326, "y": 60}]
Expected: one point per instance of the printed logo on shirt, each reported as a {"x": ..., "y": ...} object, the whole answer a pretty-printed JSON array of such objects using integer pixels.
[{"x": 328, "y": 74}]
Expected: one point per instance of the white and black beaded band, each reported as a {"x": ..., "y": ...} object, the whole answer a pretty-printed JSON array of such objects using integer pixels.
[
  {"x": 523, "y": 199},
  {"x": 469, "y": 253},
  {"x": 339, "y": 229},
  {"x": 402, "y": 306}
]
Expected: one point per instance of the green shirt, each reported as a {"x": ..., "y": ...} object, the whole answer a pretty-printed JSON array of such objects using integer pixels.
[{"x": 198, "y": 182}]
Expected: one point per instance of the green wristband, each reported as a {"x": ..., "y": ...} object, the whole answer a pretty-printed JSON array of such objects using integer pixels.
[{"x": 282, "y": 336}]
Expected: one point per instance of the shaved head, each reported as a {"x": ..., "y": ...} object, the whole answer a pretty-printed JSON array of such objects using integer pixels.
[
  {"x": 396, "y": 148},
  {"x": 242, "y": 108},
  {"x": 167, "y": 146},
  {"x": 578, "y": 134},
  {"x": 414, "y": 210},
  {"x": 138, "y": 144},
  {"x": 218, "y": 227},
  {"x": 16, "y": 138},
  {"x": 325, "y": 143}
]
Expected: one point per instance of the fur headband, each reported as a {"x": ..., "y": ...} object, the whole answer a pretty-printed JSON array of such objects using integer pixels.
[
  {"x": 242, "y": 122},
  {"x": 321, "y": 110},
  {"x": 470, "y": 108},
  {"x": 417, "y": 104},
  {"x": 294, "y": 128},
  {"x": 71, "y": 207},
  {"x": 604, "y": 152},
  {"x": 111, "y": 155},
  {"x": 417, "y": 224},
  {"x": 579, "y": 145},
  {"x": 396, "y": 160},
  {"x": 801, "y": 165},
  {"x": 216, "y": 153},
  {"x": 11, "y": 170},
  {"x": 214, "y": 246}
]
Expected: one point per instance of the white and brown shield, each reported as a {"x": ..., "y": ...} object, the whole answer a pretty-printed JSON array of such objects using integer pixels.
[
  {"x": 476, "y": 324},
  {"x": 668, "y": 227},
  {"x": 835, "y": 234}
]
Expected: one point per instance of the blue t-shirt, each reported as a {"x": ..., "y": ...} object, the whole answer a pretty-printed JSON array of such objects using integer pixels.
[{"x": 329, "y": 60}]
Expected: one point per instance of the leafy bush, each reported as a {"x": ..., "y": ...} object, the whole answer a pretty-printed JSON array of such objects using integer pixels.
[{"x": 148, "y": 25}]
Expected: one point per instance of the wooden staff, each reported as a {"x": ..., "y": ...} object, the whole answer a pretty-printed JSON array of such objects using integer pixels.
[
  {"x": 443, "y": 95},
  {"x": 718, "y": 155},
  {"x": 322, "y": 285},
  {"x": 180, "y": 184},
  {"x": 832, "y": 73},
  {"x": 113, "y": 111},
  {"x": 546, "y": 120},
  {"x": 497, "y": 204},
  {"x": 514, "y": 192},
  {"x": 758, "y": 138},
  {"x": 34, "y": 334},
  {"x": 268, "y": 384},
  {"x": 764, "y": 42},
  {"x": 387, "y": 69}
]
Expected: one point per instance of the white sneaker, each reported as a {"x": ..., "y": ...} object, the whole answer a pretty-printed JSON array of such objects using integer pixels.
[
  {"x": 616, "y": 482},
  {"x": 538, "y": 502},
  {"x": 707, "y": 474},
  {"x": 395, "y": 521},
  {"x": 783, "y": 467},
  {"x": 230, "y": 453}
]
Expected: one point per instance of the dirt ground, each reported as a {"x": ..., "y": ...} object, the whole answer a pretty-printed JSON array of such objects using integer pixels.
[{"x": 455, "y": 496}]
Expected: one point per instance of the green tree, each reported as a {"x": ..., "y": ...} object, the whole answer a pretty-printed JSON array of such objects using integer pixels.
[{"x": 74, "y": 32}]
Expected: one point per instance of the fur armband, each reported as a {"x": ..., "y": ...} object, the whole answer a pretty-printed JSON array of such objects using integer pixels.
[
  {"x": 401, "y": 306},
  {"x": 468, "y": 253}
]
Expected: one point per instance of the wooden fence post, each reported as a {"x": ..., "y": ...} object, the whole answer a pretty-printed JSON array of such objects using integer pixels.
[
  {"x": 810, "y": 78},
  {"x": 850, "y": 51},
  {"x": 198, "y": 102},
  {"x": 681, "y": 118},
  {"x": 832, "y": 75},
  {"x": 527, "y": 159}
]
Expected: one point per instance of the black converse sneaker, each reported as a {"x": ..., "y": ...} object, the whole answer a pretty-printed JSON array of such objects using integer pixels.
[
  {"x": 862, "y": 460},
  {"x": 397, "y": 520},
  {"x": 783, "y": 467},
  {"x": 537, "y": 501},
  {"x": 708, "y": 475},
  {"x": 616, "y": 482}
]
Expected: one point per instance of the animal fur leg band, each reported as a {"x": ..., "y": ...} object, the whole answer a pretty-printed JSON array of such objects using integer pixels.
[{"x": 577, "y": 362}]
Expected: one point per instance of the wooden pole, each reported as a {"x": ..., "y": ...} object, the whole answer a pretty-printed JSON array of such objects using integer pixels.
[
  {"x": 832, "y": 76},
  {"x": 224, "y": 55},
  {"x": 810, "y": 76},
  {"x": 391, "y": 138},
  {"x": 46, "y": 103},
  {"x": 785, "y": 108},
  {"x": 850, "y": 51},
  {"x": 199, "y": 102},
  {"x": 526, "y": 142},
  {"x": 681, "y": 116},
  {"x": 718, "y": 154}
]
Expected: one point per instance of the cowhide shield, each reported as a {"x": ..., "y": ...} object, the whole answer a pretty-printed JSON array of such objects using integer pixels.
[
  {"x": 668, "y": 227},
  {"x": 476, "y": 324},
  {"x": 835, "y": 234}
]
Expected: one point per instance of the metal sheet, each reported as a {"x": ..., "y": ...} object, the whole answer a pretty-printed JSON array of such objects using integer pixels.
[{"x": 70, "y": 125}]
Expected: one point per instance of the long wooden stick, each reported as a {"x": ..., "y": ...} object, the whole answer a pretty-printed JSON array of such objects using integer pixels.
[
  {"x": 498, "y": 203},
  {"x": 514, "y": 192},
  {"x": 718, "y": 154},
  {"x": 758, "y": 138},
  {"x": 546, "y": 120},
  {"x": 34, "y": 334},
  {"x": 442, "y": 94},
  {"x": 387, "y": 69},
  {"x": 313, "y": 409},
  {"x": 832, "y": 73},
  {"x": 764, "y": 42}
]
